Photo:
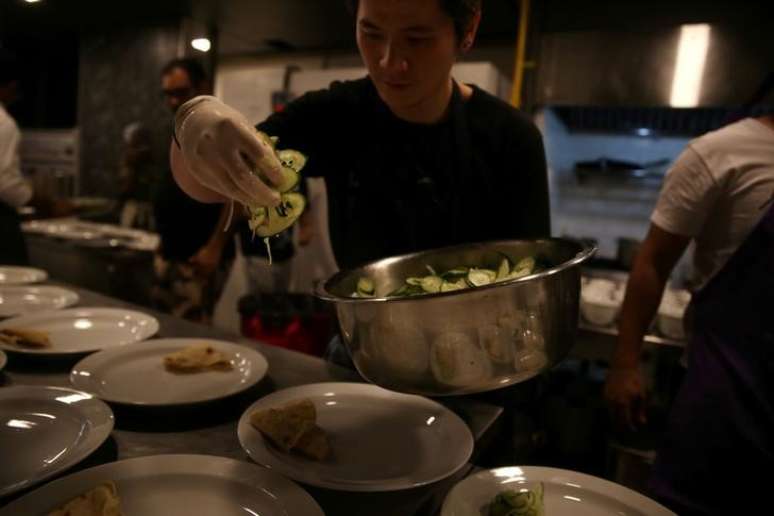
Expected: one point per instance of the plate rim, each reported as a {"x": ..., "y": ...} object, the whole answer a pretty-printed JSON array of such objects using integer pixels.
[
  {"x": 99, "y": 432},
  {"x": 259, "y": 357},
  {"x": 243, "y": 425},
  {"x": 40, "y": 275},
  {"x": 153, "y": 328},
  {"x": 547, "y": 474},
  {"x": 183, "y": 463},
  {"x": 71, "y": 297}
]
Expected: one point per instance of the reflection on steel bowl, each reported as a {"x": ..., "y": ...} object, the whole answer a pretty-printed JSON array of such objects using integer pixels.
[{"x": 464, "y": 341}]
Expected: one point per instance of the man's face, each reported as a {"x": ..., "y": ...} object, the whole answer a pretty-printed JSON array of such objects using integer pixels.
[
  {"x": 177, "y": 89},
  {"x": 408, "y": 46}
]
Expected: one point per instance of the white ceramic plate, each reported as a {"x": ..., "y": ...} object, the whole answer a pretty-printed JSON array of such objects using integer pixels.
[
  {"x": 136, "y": 375},
  {"x": 83, "y": 330},
  {"x": 45, "y": 430},
  {"x": 380, "y": 440},
  {"x": 566, "y": 493},
  {"x": 3, "y": 359},
  {"x": 10, "y": 275},
  {"x": 25, "y": 300},
  {"x": 178, "y": 485}
]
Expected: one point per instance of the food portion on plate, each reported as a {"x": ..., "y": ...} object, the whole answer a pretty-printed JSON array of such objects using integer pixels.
[
  {"x": 197, "y": 358},
  {"x": 458, "y": 278},
  {"x": 25, "y": 338},
  {"x": 292, "y": 427},
  {"x": 512, "y": 502},
  {"x": 103, "y": 500}
]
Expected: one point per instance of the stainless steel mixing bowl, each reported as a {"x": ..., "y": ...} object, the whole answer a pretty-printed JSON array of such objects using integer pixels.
[{"x": 464, "y": 341}]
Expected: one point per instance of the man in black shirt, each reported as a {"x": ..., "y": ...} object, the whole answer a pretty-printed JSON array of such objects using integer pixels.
[
  {"x": 188, "y": 265},
  {"x": 412, "y": 159}
]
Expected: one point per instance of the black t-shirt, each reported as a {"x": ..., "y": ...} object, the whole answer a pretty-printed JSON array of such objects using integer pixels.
[
  {"x": 183, "y": 224},
  {"x": 396, "y": 187}
]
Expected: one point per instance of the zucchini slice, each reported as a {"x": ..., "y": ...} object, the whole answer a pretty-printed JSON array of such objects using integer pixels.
[
  {"x": 480, "y": 277},
  {"x": 431, "y": 284},
  {"x": 365, "y": 287},
  {"x": 281, "y": 217},
  {"x": 504, "y": 270}
]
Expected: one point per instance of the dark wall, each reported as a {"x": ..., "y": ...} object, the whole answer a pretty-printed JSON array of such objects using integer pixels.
[{"x": 119, "y": 83}]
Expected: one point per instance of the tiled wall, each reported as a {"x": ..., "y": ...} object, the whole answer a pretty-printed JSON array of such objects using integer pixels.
[
  {"x": 119, "y": 83},
  {"x": 604, "y": 213}
]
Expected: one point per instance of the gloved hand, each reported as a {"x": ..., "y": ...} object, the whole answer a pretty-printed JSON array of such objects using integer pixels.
[{"x": 224, "y": 153}]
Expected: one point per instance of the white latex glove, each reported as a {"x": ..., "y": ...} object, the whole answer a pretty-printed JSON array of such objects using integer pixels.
[{"x": 223, "y": 152}]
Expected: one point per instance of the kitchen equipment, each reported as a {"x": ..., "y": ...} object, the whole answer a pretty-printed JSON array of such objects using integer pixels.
[
  {"x": 671, "y": 312},
  {"x": 565, "y": 493},
  {"x": 380, "y": 440},
  {"x": 46, "y": 430},
  {"x": 112, "y": 374},
  {"x": 464, "y": 341},
  {"x": 601, "y": 301},
  {"x": 177, "y": 485}
]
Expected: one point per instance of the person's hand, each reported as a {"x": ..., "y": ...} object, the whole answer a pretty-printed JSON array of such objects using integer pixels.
[
  {"x": 625, "y": 395},
  {"x": 206, "y": 260},
  {"x": 225, "y": 154}
]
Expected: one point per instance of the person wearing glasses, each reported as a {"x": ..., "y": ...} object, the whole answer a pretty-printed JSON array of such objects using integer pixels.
[{"x": 188, "y": 263}]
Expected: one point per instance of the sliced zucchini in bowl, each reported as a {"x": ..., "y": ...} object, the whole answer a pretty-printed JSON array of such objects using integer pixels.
[{"x": 480, "y": 277}]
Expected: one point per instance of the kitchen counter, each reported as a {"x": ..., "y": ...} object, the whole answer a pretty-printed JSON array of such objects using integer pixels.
[{"x": 211, "y": 428}]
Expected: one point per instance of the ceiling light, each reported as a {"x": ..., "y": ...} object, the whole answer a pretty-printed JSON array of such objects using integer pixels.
[
  {"x": 689, "y": 66},
  {"x": 201, "y": 44}
]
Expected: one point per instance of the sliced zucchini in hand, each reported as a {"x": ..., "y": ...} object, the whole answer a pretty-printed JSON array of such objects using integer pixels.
[
  {"x": 292, "y": 159},
  {"x": 282, "y": 216},
  {"x": 257, "y": 217},
  {"x": 292, "y": 162},
  {"x": 290, "y": 179}
]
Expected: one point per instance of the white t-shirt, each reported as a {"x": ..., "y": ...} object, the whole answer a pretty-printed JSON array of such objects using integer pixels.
[
  {"x": 14, "y": 190},
  {"x": 717, "y": 191}
]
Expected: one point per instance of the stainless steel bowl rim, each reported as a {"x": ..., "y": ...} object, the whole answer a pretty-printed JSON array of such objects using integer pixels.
[{"x": 321, "y": 290}]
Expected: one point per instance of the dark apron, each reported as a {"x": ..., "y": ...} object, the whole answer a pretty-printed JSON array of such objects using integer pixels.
[
  {"x": 718, "y": 452},
  {"x": 13, "y": 249}
]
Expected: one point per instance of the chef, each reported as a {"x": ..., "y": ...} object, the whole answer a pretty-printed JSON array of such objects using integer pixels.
[
  {"x": 412, "y": 158},
  {"x": 718, "y": 451}
]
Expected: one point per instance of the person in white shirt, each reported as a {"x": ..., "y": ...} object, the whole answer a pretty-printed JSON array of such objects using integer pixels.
[
  {"x": 719, "y": 195},
  {"x": 14, "y": 190}
]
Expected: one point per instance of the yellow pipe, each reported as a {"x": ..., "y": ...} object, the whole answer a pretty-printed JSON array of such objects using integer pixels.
[{"x": 521, "y": 45}]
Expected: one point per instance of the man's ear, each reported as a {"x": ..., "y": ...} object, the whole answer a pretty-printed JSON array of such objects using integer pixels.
[{"x": 470, "y": 33}]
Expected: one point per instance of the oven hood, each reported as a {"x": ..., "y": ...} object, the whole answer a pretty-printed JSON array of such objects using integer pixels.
[{"x": 683, "y": 66}]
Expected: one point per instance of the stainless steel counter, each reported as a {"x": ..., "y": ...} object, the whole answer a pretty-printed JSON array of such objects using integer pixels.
[{"x": 211, "y": 428}]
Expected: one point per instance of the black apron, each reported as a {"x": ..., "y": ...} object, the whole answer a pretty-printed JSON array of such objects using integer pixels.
[
  {"x": 718, "y": 452},
  {"x": 13, "y": 249}
]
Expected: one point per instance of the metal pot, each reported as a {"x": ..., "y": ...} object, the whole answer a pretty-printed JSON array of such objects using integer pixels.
[{"x": 465, "y": 341}]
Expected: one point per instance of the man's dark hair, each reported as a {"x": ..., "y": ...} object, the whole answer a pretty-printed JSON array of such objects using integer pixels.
[
  {"x": 10, "y": 69},
  {"x": 193, "y": 67},
  {"x": 460, "y": 11}
]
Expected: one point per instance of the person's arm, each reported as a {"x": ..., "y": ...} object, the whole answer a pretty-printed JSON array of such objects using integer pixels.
[
  {"x": 689, "y": 194},
  {"x": 206, "y": 259},
  {"x": 14, "y": 190},
  {"x": 625, "y": 390}
]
